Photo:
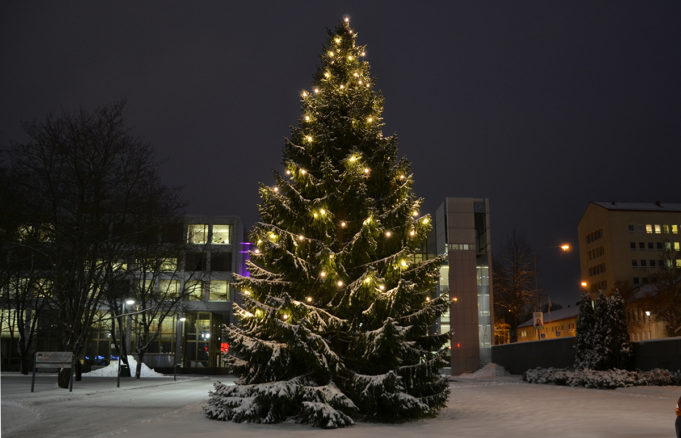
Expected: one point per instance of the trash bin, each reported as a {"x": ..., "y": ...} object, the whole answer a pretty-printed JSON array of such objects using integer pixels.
[{"x": 124, "y": 370}]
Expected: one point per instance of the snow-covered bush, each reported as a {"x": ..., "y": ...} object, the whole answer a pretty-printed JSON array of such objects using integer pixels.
[{"x": 602, "y": 379}]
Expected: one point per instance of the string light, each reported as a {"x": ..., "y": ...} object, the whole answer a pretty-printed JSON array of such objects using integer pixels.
[
  {"x": 402, "y": 176},
  {"x": 350, "y": 57},
  {"x": 330, "y": 53},
  {"x": 308, "y": 299},
  {"x": 403, "y": 263},
  {"x": 273, "y": 236},
  {"x": 355, "y": 74},
  {"x": 367, "y": 280},
  {"x": 342, "y": 86},
  {"x": 425, "y": 220},
  {"x": 304, "y": 93},
  {"x": 258, "y": 312},
  {"x": 343, "y": 224},
  {"x": 285, "y": 316},
  {"x": 301, "y": 237},
  {"x": 327, "y": 74},
  {"x": 455, "y": 299},
  {"x": 322, "y": 211},
  {"x": 339, "y": 283},
  {"x": 247, "y": 292},
  {"x": 276, "y": 189},
  {"x": 307, "y": 118},
  {"x": 337, "y": 40},
  {"x": 353, "y": 158},
  {"x": 381, "y": 287},
  {"x": 331, "y": 256},
  {"x": 360, "y": 82},
  {"x": 259, "y": 241},
  {"x": 288, "y": 172},
  {"x": 309, "y": 139},
  {"x": 303, "y": 171},
  {"x": 322, "y": 274},
  {"x": 257, "y": 251},
  {"x": 367, "y": 85},
  {"x": 346, "y": 19},
  {"x": 314, "y": 214},
  {"x": 316, "y": 90},
  {"x": 363, "y": 54},
  {"x": 388, "y": 234},
  {"x": 367, "y": 170},
  {"x": 370, "y": 119},
  {"x": 414, "y": 213},
  {"x": 412, "y": 233},
  {"x": 427, "y": 299}
]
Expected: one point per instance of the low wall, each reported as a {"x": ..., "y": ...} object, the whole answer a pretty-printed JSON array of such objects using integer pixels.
[
  {"x": 521, "y": 356},
  {"x": 560, "y": 353},
  {"x": 658, "y": 353}
]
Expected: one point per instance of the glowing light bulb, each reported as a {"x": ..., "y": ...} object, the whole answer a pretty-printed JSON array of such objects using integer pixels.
[
  {"x": 427, "y": 299},
  {"x": 247, "y": 292},
  {"x": 301, "y": 237},
  {"x": 339, "y": 283},
  {"x": 330, "y": 53},
  {"x": 388, "y": 234},
  {"x": 346, "y": 19},
  {"x": 322, "y": 211},
  {"x": 425, "y": 220},
  {"x": 353, "y": 158},
  {"x": 273, "y": 236},
  {"x": 403, "y": 263},
  {"x": 288, "y": 172},
  {"x": 414, "y": 213},
  {"x": 350, "y": 57},
  {"x": 355, "y": 74},
  {"x": 308, "y": 299},
  {"x": 303, "y": 171},
  {"x": 381, "y": 287},
  {"x": 367, "y": 85},
  {"x": 307, "y": 118},
  {"x": 257, "y": 251},
  {"x": 337, "y": 40},
  {"x": 316, "y": 90},
  {"x": 370, "y": 119},
  {"x": 343, "y": 224},
  {"x": 367, "y": 280},
  {"x": 331, "y": 256},
  {"x": 367, "y": 170},
  {"x": 342, "y": 86},
  {"x": 322, "y": 274},
  {"x": 258, "y": 312},
  {"x": 309, "y": 139},
  {"x": 402, "y": 177},
  {"x": 412, "y": 233},
  {"x": 455, "y": 299},
  {"x": 363, "y": 54},
  {"x": 276, "y": 189},
  {"x": 259, "y": 241},
  {"x": 360, "y": 82},
  {"x": 314, "y": 215},
  {"x": 327, "y": 74},
  {"x": 285, "y": 316},
  {"x": 304, "y": 93}
]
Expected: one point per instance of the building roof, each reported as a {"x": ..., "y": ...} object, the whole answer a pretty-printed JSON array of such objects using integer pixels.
[
  {"x": 638, "y": 206},
  {"x": 556, "y": 315}
]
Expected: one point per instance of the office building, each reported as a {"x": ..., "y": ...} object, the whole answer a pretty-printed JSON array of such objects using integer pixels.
[{"x": 463, "y": 234}]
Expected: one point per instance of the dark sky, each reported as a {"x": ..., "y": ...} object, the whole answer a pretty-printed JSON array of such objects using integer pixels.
[{"x": 539, "y": 106}]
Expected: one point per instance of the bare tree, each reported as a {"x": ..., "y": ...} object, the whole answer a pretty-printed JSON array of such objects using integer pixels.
[
  {"x": 89, "y": 178},
  {"x": 514, "y": 282}
]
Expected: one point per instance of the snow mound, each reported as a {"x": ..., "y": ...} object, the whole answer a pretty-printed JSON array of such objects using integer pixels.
[
  {"x": 112, "y": 370},
  {"x": 488, "y": 371}
]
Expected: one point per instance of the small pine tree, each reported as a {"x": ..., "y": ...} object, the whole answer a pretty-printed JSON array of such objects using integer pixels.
[
  {"x": 337, "y": 316},
  {"x": 584, "y": 354},
  {"x": 600, "y": 347}
]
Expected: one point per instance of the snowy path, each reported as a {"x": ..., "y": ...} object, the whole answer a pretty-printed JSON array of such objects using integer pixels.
[{"x": 500, "y": 407}]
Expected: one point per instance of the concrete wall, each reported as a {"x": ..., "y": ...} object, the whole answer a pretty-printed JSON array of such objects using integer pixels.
[
  {"x": 560, "y": 353},
  {"x": 521, "y": 356}
]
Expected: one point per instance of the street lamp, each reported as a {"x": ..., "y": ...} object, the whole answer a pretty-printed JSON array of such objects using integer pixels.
[
  {"x": 178, "y": 342},
  {"x": 649, "y": 330},
  {"x": 128, "y": 302}
]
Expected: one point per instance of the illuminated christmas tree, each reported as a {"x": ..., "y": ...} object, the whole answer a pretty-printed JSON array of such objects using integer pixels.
[{"x": 337, "y": 321}]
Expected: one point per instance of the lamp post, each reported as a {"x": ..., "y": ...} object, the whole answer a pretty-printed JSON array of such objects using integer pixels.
[
  {"x": 178, "y": 343},
  {"x": 649, "y": 330},
  {"x": 127, "y": 302}
]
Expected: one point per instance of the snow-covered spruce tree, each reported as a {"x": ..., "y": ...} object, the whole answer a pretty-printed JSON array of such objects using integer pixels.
[
  {"x": 337, "y": 317},
  {"x": 584, "y": 354},
  {"x": 600, "y": 346},
  {"x": 617, "y": 336}
]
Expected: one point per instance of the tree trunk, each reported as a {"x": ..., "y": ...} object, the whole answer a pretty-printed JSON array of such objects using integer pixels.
[
  {"x": 79, "y": 371},
  {"x": 25, "y": 364},
  {"x": 138, "y": 371},
  {"x": 64, "y": 377}
]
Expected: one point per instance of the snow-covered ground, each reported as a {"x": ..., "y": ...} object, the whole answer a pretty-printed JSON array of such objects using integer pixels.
[{"x": 482, "y": 405}]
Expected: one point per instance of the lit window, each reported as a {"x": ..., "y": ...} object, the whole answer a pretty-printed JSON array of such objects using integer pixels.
[
  {"x": 221, "y": 235},
  {"x": 168, "y": 288},
  {"x": 195, "y": 290},
  {"x": 678, "y": 263},
  {"x": 197, "y": 234},
  {"x": 675, "y": 229},
  {"x": 668, "y": 246},
  {"x": 658, "y": 229},
  {"x": 168, "y": 265},
  {"x": 665, "y": 229},
  {"x": 219, "y": 290},
  {"x": 676, "y": 246},
  {"x": 649, "y": 229}
]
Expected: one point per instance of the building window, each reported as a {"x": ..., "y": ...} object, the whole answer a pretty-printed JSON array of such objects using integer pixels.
[
  {"x": 645, "y": 280},
  {"x": 642, "y": 245},
  {"x": 649, "y": 229},
  {"x": 677, "y": 247},
  {"x": 634, "y": 263},
  {"x": 221, "y": 261},
  {"x": 665, "y": 229},
  {"x": 168, "y": 264},
  {"x": 668, "y": 246},
  {"x": 652, "y": 263},
  {"x": 168, "y": 288},
  {"x": 460, "y": 246},
  {"x": 651, "y": 245},
  {"x": 644, "y": 263},
  {"x": 195, "y": 261},
  {"x": 195, "y": 290},
  {"x": 219, "y": 290},
  {"x": 221, "y": 235},
  {"x": 635, "y": 280},
  {"x": 659, "y": 245},
  {"x": 675, "y": 229},
  {"x": 678, "y": 263},
  {"x": 658, "y": 229},
  {"x": 632, "y": 245},
  {"x": 631, "y": 228},
  {"x": 197, "y": 234}
]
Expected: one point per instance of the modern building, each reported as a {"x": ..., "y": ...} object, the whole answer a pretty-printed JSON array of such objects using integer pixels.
[
  {"x": 627, "y": 244},
  {"x": 560, "y": 323},
  {"x": 462, "y": 233}
]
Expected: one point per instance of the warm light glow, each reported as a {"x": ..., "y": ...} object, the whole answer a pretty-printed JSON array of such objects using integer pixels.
[
  {"x": 303, "y": 171},
  {"x": 584, "y": 284},
  {"x": 414, "y": 213},
  {"x": 316, "y": 90},
  {"x": 455, "y": 299},
  {"x": 322, "y": 274},
  {"x": 247, "y": 292},
  {"x": 355, "y": 74},
  {"x": 346, "y": 19},
  {"x": 308, "y": 299},
  {"x": 288, "y": 172},
  {"x": 285, "y": 316},
  {"x": 366, "y": 170},
  {"x": 647, "y": 312},
  {"x": 565, "y": 247},
  {"x": 367, "y": 280},
  {"x": 427, "y": 299},
  {"x": 327, "y": 74},
  {"x": 257, "y": 251},
  {"x": 412, "y": 233},
  {"x": 314, "y": 214},
  {"x": 343, "y": 224},
  {"x": 258, "y": 312},
  {"x": 403, "y": 263},
  {"x": 304, "y": 94},
  {"x": 309, "y": 139},
  {"x": 275, "y": 188},
  {"x": 340, "y": 283},
  {"x": 370, "y": 119},
  {"x": 353, "y": 158},
  {"x": 350, "y": 57},
  {"x": 425, "y": 220},
  {"x": 337, "y": 40},
  {"x": 273, "y": 236},
  {"x": 402, "y": 177},
  {"x": 341, "y": 86},
  {"x": 360, "y": 82},
  {"x": 330, "y": 53},
  {"x": 322, "y": 211},
  {"x": 259, "y": 241},
  {"x": 388, "y": 234},
  {"x": 183, "y": 319},
  {"x": 129, "y": 302},
  {"x": 381, "y": 287},
  {"x": 363, "y": 54},
  {"x": 307, "y": 118},
  {"x": 301, "y": 237}
]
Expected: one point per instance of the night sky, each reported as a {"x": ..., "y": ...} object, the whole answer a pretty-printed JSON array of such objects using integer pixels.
[{"x": 539, "y": 106}]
